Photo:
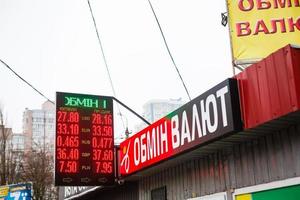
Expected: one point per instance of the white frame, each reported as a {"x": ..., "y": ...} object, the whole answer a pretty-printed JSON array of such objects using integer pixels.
[
  {"x": 266, "y": 186},
  {"x": 207, "y": 197}
]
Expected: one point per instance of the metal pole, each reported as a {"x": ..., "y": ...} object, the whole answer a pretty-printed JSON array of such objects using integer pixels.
[{"x": 143, "y": 119}]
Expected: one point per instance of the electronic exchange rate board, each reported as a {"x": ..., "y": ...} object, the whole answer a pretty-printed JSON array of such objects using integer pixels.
[{"x": 84, "y": 149}]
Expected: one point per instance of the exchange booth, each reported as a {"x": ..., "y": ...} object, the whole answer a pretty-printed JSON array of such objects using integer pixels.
[{"x": 239, "y": 140}]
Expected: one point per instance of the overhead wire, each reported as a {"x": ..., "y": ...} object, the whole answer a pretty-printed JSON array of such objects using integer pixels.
[
  {"x": 30, "y": 85},
  {"x": 168, "y": 49},
  {"x": 104, "y": 60}
]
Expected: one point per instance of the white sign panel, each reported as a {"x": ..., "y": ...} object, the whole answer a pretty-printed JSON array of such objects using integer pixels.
[{"x": 217, "y": 196}]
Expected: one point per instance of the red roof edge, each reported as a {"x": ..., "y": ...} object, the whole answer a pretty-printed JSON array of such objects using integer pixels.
[{"x": 270, "y": 88}]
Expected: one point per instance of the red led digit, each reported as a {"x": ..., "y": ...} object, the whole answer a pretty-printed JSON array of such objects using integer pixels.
[
  {"x": 67, "y": 154},
  {"x": 107, "y": 167},
  {"x": 74, "y": 129},
  {"x": 110, "y": 167},
  {"x": 67, "y": 129},
  {"x": 97, "y": 143},
  {"x": 107, "y": 155},
  {"x": 61, "y": 116},
  {"x": 101, "y": 142},
  {"x": 74, "y": 154},
  {"x": 98, "y": 167},
  {"x": 73, "y": 141},
  {"x": 61, "y": 166},
  {"x": 97, "y": 154},
  {"x": 108, "y": 142},
  {"x": 107, "y": 131},
  {"x": 67, "y": 141},
  {"x": 59, "y": 141},
  {"x": 62, "y": 128},
  {"x": 73, "y": 117},
  {"x": 107, "y": 119},
  {"x": 68, "y": 166},
  {"x": 103, "y": 167},
  {"x": 61, "y": 153},
  {"x": 96, "y": 130},
  {"x": 71, "y": 167},
  {"x": 96, "y": 118}
]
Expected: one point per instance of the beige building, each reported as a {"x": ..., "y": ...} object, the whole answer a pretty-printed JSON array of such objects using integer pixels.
[
  {"x": 157, "y": 108},
  {"x": 17, "y": 142},
  {"x": 39, "y": 127},
  {"x": 5, "y": 135}
]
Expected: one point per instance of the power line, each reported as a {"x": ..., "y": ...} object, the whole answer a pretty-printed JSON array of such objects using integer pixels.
[
  {"x": 26, "y": 81},
  {"x": 104, "y": 59},
  {"x": 166, "y": 44}
]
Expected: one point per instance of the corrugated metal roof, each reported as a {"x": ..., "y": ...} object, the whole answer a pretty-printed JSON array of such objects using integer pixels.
[{"x": 270, "y": 88}]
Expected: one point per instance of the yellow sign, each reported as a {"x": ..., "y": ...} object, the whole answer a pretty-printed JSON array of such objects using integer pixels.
[
  {"x": 243, "y": 197},
  {"x": 4, "y": 191},
  {"x": 260, "y": 27}
]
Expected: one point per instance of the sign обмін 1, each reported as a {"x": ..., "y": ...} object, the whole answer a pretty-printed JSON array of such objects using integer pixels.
[{"x": 84, "y": 149}]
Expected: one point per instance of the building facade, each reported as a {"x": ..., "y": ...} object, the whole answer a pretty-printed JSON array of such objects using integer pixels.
[
  {"x": 39, "y": 127},
  {"x": 18, "y": 142},
  {"x": 157, "y": 108}
]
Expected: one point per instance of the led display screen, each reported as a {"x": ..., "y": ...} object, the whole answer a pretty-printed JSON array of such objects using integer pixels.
[{"x": 84, "y": 148}]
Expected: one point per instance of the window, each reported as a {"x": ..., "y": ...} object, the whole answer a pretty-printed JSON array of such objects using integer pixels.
[{"x": 159, "y": 193}]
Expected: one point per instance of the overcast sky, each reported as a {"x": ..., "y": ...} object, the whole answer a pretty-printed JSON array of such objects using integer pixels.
[{"x": 53, "y": 45}]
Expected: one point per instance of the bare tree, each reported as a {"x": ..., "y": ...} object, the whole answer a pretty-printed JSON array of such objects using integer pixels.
[
  {"x": 35, "y": 166},
  {"x": 9, "y": 160},
  {"x": 5, "y": 135},
  {"x": 38, "y": 166},
  {"x": 15, "y": 159},
  {"x": 38, "y": 169}
]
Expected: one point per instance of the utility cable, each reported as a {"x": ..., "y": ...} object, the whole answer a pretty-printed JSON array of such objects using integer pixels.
[
  {"x": 104, "y": 59},
  {"x": 40, "y": 93},
  {"x": 167, "y": 46}
]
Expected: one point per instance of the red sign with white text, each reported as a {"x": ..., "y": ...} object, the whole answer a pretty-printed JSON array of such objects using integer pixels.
[{"x": 204, "y": 119}]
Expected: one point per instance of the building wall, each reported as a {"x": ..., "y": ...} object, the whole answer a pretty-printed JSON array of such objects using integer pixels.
[
  {"x": 27, "y": 129},
  {"x": 156, "y": 109},
  {"x": 39, "y": 127},
  {"x": 18, "y": 142},
  {"x": 268, "y": 158}
]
